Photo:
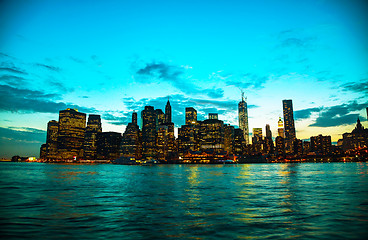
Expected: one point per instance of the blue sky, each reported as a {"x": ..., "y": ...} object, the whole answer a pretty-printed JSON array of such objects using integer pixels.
[{"x": 113, "y": 57}]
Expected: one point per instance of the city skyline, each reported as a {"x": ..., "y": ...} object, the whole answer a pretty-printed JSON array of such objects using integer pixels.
[{"x": 116, "y": 57}]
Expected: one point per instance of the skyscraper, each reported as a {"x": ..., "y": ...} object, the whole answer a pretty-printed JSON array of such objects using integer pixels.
[
  {"x": 243, "y": 118},
  {"x": 90, "y": 138},
  {"x": 134, "y": 118},
  {"x": 131, "y": 145},
  {"x": 289, "y": 126},
  {"x": 281, "y": 128},
  {"x": 168, "y": 112},
  {"x": 190, "y": 116},
  {"x": 268, "y": 131},
  {"x": 161, "y": 118},
  {"x": 149, "y": 130},
  {"x": 51, "y": 139},
  {"x": 72, "y": 126}
]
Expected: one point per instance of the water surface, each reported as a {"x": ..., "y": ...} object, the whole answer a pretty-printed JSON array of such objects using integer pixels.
[{"x": 247, "y": 201}]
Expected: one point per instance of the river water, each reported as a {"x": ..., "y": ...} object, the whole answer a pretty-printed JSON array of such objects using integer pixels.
[{"x": 245, "y": 201}]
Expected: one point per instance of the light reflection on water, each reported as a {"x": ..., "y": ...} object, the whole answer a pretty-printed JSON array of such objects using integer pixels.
[{"x": 247, "y": 201}]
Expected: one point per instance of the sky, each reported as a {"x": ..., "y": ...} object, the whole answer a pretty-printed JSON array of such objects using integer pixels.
[{"x": 115, "y": 57}]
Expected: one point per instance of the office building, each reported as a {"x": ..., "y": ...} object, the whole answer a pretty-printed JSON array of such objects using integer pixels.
[
  {"x": 190, "y": 116},
  {"x": 289, "y": 127},
  {"x": 243, "y": 118},
  {"x": 93, "y": 128},
  {"x": 72, "y": 126},
  {"x": 131, "y": 145},
  {"x": 149, "y": 131},
  {"x": 108, "y": 145},
  {"x": 280, "y": 129},
  {"x": 51, "y": 139},
  {"x": 320, "y": 145}
]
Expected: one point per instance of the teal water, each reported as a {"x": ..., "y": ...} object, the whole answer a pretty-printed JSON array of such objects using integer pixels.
[{"x": 248, "y": 201}]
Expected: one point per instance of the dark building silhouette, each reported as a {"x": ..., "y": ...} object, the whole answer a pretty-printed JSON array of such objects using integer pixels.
[
  {"x": 306, "y": 147},
  {"x": 190, "y": 116},
  {"x": 108, "y": 145},
  {"x": 149, "y": 131},
  {"x": 257, "y": 140},
  {"x": 168, "y": 112},
  {"x": 161, "y": 118},
  {"x": 358, "y": 138},
  {"x": 131, "y": 144},
  {"x": 93, "y": 128},
  {"x": 239, "y": 142},
  {"x": 268, "y": 146},
  {"x": 243, "y": 118},
  {"x": 320, "y": 145},
  {"x": 72, "y": 126},
  {"x": 228, "y": 138},
  {"x": 280, "y": 145},
  {"x": 51, "y": 140},
  {"x": 135, "y": 118},
  {"x": 289, "y": 126}
]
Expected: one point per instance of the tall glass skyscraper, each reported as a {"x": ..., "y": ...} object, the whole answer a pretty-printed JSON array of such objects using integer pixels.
[
  {"x": 289, "y": 126},
  {"x": 243, "y": 118}
]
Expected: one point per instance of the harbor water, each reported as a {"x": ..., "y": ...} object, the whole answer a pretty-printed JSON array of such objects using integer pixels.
[{"x": 244, "y": 201}]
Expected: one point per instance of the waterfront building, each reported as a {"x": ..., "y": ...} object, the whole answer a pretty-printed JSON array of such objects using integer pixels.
[
  {"x": 268, "y": 145},
  {"x": 168, "y": 112},
  {"x": 239, "y": 142},
  {"x": 72, "y": 126},
  {"x": 280, "y": 129},
  {"x": 306, "y": 147},
  {"x": 320, "y": 145},
  {"x": 187, "y": 139},
  {"x": 211, "y": 134},
  {"x": 51, "y": 140},
  {"x": 257, "y": 140},
  {"x": 43, "y": 151},
  {"x": 108, "y": 145},
  {"x": 162, "y": 143},
  {"x": 228, "y": 138},
  {"x": 131, "y": 145},
  {"x": 268, "y": 131},
  {"x": 358, "y": 138},
  {"x": 190, "y": 116},
  {"x": 298, "y": 147},
  {"x": 243, "y": 118},
  {"x": 280, "y": 145},
  {"x": 289, "y": 127},
  {"x": 149, "y": 131},
  {"x": 90, "y": 137}
]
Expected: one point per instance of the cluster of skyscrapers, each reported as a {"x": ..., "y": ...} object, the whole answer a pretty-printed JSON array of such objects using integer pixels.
[{"x": 72, "y": 138}]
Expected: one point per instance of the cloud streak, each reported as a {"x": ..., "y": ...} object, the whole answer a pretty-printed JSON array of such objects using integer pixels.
[
  {"x": 25, "y": 100},
  {"x": 176, "y": 76}
]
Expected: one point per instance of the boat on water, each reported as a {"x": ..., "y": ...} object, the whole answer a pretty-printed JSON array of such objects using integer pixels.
[
  {"x": 149, "y": 162},
  {"x": 126, "y": 161}
]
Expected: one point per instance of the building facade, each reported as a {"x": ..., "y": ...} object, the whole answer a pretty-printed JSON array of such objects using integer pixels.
[{"x": 243, "y": 118}]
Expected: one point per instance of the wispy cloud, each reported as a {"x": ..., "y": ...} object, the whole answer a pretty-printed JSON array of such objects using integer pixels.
[
  {"x": 49, "y": 67},
  {"x": 175, "y": 75},
  {"x": 358, "y": 87}
]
